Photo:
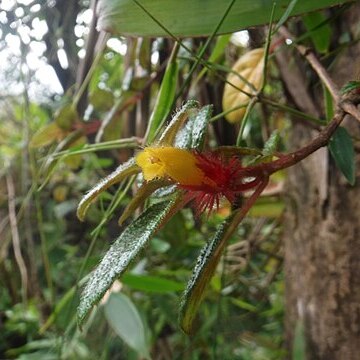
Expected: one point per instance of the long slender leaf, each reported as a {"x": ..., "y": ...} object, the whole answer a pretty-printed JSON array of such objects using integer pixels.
[
  {"x": 121, "y": 253},
  {"x": 123, "y": 171},
  {"x": 141, "y": 195},
  {"x": 151, "y": 283},
  {"x": 169, "y": 134},
  {"x": 193, "y": 17},
  {"x": 208, "y": 260},
  {"x": 165, "y": 97},
  {"x": 202, "y": 274}
]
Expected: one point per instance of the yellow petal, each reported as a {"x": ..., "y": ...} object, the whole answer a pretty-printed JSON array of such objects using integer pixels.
[{"x": 177, "y": 164}]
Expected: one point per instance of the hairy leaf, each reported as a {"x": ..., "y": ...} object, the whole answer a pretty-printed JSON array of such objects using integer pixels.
[
  {"x": 121, "y": 253},
  {"x": 202, "y": 274},
  {"x": 193, "y": 134},
  {"x": 179, "y": 119},
  {"x": 141, "y": 195},
  {"x": 123, "y": 171}
]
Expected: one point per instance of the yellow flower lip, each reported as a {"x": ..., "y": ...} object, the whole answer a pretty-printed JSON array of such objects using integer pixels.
[{"x": 177, "y": 164}]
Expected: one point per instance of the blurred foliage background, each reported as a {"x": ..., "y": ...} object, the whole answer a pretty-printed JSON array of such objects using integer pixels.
[{"x": 75, "y": 103}]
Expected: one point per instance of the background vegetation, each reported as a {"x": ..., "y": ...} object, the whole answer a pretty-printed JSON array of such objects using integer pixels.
[{"x": 75, "y": 103}]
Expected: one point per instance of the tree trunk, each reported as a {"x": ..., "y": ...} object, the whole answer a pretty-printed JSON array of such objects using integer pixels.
[{"x": 322, "y": 237}]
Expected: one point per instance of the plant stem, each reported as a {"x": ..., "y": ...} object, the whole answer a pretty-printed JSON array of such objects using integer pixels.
[{"x": 315, "y": 64}]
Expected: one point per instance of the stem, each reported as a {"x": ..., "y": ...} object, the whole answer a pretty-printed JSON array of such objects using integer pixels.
[
  {"x": 315, "y": 64},
  {"x": 16, "y": 237},
  {"x": 291, "y": 110},
  {"x": 89, "y": 75},
  {"x": 266, "y": 169}
]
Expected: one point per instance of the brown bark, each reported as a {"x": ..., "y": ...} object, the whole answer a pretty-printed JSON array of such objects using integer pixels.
[{"x": 322, "y": 240}]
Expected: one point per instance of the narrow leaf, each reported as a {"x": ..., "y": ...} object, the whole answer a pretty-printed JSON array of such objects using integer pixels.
[
  {"x": 193, "y": 134},
  {"x": 286, "y": 14},
  {"x": 124, "y": 318},
  {"x": 151, "y": 283},
  {"x": 204, "y": 270},
  {"x": 121, "y": 253},
  {"x": 351, "y": 85},
  {"x": 123, "y": 171},
  {"x": 208, "y": 260},
  {"x": 169, "y": 134},
  {"x": 165, "y": 98},
  {"x": 218, "y": 52},
  {"x": 329, "y": 104},
  {"x": 141, "y": 195},
  {"x": 342, "y": 150}
]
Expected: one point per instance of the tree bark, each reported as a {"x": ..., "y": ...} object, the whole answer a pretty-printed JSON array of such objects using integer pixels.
[{"x": 322, "y": 237}]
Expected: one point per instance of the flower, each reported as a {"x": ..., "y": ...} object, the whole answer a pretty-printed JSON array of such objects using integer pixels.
[{"x": 206, "y": 177}]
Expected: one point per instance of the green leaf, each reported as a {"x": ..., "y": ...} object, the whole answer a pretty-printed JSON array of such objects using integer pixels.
[
  {"x": 151, "y": 283},
  {"x": 244, "y": 305},
  {"x": 272, "y": 143},
  {"x": 193, "y": 134},
  {"x": 319, "y": 29},
  {"x": 101, "y": 99},
  {"x": 123, "y": 171},
  {"x": 204, "y": 270},
  {"x": 199, "y": 127},
  {"x": 216, "y": 54},
  {"x": 125, "y": 320},
  {"x": 121, "y": 253},
  {"x": 192, "y": 17},
  {"x": 169, "y": 134},
  {"x": 66, "y": 116},
  {"x": 141, "y": 195},
  {"x": 286, "y": 14},
  {"x": 329, "y": 104},
  {"x": 165, "y": 97},
  {"x": 351, "y": 85},
  {"x": 342, "y": 150},
  {"x": 47, "y": 135},
  {"x": 208, "y": 260}
]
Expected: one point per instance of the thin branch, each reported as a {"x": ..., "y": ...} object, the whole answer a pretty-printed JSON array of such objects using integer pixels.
[
  {"x": 315, "y": 64},
  {"x": 15, "y": 236},
  {"x": 351, "y": 109},
  {"x": 346, "y": 106}
]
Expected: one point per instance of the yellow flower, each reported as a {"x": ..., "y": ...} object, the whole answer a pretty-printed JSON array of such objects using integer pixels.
[{"x": 178, "y": 164}]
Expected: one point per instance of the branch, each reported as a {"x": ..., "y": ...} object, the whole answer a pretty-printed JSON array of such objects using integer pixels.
[
  {"x": 315, "y": 64},
  {"x": 344, "y": 107},
  {"x": 15, "y": 236}
]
